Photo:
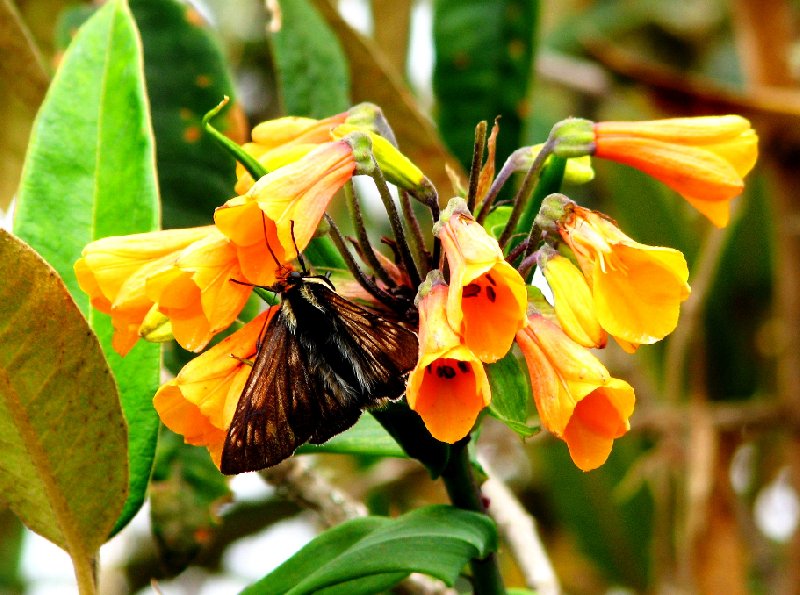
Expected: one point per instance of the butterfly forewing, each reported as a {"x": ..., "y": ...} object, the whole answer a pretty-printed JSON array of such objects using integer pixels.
[{"x": 322, "y": 360}]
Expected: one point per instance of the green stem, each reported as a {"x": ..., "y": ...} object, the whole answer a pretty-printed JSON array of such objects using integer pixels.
[
  {"x": 477, "y": 162},
  {"x": 550, "y": 182},
  {"x": 397, "y": 225},
  {"x": 521, "y": 198},
  {"x": 364, "y": 245},
  {"x": 253, "y": 167},
  {"x": 464, "y": 493}
]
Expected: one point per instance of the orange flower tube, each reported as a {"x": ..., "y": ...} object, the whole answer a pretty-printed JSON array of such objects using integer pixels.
[
  {"x": 185, "y": 273},
  {"x": 449, "y": 387},
  {"x": 572, "y": 301},
  {"x": 294, "y": 195},
  {"x": 487, "y": 299},
  {"x": 637, "y": 289},
  {"x": 704, "y": 159},
  {"x": 281, "y": 141},
  {"x": 200, "y": 401},
  {"x": 576, "y": 397}
]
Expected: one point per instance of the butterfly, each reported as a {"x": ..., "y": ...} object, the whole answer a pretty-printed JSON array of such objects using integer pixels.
[{"x": 321, "y": 360}]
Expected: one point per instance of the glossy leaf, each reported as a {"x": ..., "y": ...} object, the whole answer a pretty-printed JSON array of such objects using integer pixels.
[
  {"x": 365, "y": 554},
  {"x": 89, "y": 173},
  {"x": 64, "y": 468},
  {"x": 367, "y": 437},
  {"x": 512, "y": 400},
  {"x": 187, "y": 76},
  {"x": 312, "y": 70},
  {"x": 484, "y": 55}
]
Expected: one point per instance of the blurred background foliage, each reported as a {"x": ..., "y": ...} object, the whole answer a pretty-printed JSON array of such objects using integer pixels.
[{"x": 702, "y": 495}]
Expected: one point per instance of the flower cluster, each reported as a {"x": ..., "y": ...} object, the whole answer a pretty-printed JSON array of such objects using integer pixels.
[{"x": 474, "y": 304}]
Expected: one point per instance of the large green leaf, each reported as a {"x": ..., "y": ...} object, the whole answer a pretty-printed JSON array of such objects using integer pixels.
[
  {"x": 64, "y": 468},
  {"x": 484, "y": 57},
  {"x": 369, "y": 554},
  {"x": 90, "y": 173},
  {"x": 312, "y": 69},
  {"x": 186, "y": 77}
]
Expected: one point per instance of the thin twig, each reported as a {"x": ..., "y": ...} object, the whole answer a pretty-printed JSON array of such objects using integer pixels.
[
  {"x": 296, "y": 478},
  {"x": 519, "y": 532}
]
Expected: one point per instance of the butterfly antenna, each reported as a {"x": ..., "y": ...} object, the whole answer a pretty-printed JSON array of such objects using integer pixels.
[
  {"x": 266, "y": 241},
  {"x": 299, "y": 256}
]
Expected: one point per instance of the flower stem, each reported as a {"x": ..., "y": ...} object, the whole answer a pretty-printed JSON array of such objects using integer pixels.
[
  {"x": 477, "y": 162},
  {"x": 464, "y": 493},
  {"x": 253, "y": 167},
  {"x": 397, "y": 226},
  {"x": 524, "y": 192}
]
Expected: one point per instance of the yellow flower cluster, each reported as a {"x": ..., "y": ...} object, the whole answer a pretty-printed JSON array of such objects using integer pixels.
[{"x": 473, "y": 306}]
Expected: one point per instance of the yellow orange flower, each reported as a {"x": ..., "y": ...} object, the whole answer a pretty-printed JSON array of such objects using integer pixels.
[
  {"x": 572, "y": 301},
  {"x": 200, "y": 402},
  {"x": 449, "y": 387},
  {"x": 294, "y": 196},
  {"x": 284, "y": 140},
  {"x": 487, "y": 298},
  {"x": 637, "y": 289},
  {"x": 185, "y": 273},
  {"x": 576, "y": 397},
  {"x": 704, "y": 159}
]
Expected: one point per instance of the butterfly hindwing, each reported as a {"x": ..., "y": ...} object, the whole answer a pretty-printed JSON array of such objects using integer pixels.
[{"x": 321, "y": 361}]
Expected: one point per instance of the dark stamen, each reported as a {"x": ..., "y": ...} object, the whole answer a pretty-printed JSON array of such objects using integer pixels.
[
  {"x": 471, "y": 290},
  {"x": 490, "y": 280},
  {"x": 463, "y": 367},
  {"x": 446, "y": 372},
  {"x": 428, "y": 369},
  {"x": 491, "y": 293}
]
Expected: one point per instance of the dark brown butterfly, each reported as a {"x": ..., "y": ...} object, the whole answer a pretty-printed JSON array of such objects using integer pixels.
[{"x": 320, "y": 361}]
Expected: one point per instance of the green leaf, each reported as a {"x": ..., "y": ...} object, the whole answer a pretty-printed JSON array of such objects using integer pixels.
[
  {"x": 312, "y": 69},
  {"x": 483, "y": 63},
  {"x": 64, "y": 468},
  {"x": 363, "y": 555},
  {"x": 89, "y": 173},
  {"x": 194, "y": 174},
  {"x": 367, "y": 437},
  {"x": 512, "y": 400}
]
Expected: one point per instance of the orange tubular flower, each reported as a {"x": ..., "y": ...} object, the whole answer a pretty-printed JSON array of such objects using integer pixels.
[
  {"x": 704, "y": 159},
  {"x": 184, "y": 273},
  {"x": 577, "y": 398},
  {"x": 573, "y": 303},
  {"x": 449, "y": 387},
  {"x": 637, "y": 289},
  {"x": 281, "y": 141},
  {"x": 200, "y": 402},
  {"x": 487, "y": 298},
  {"x": 294, "y": 195}
]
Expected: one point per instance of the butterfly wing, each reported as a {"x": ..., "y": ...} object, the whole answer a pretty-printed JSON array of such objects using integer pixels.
[
  {"x": 272, "y": 418},
  {"x": 322, "y": 359}
]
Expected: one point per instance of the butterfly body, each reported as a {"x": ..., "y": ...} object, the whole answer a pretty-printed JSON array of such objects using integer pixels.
[{"x": 321, "y": 360}]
